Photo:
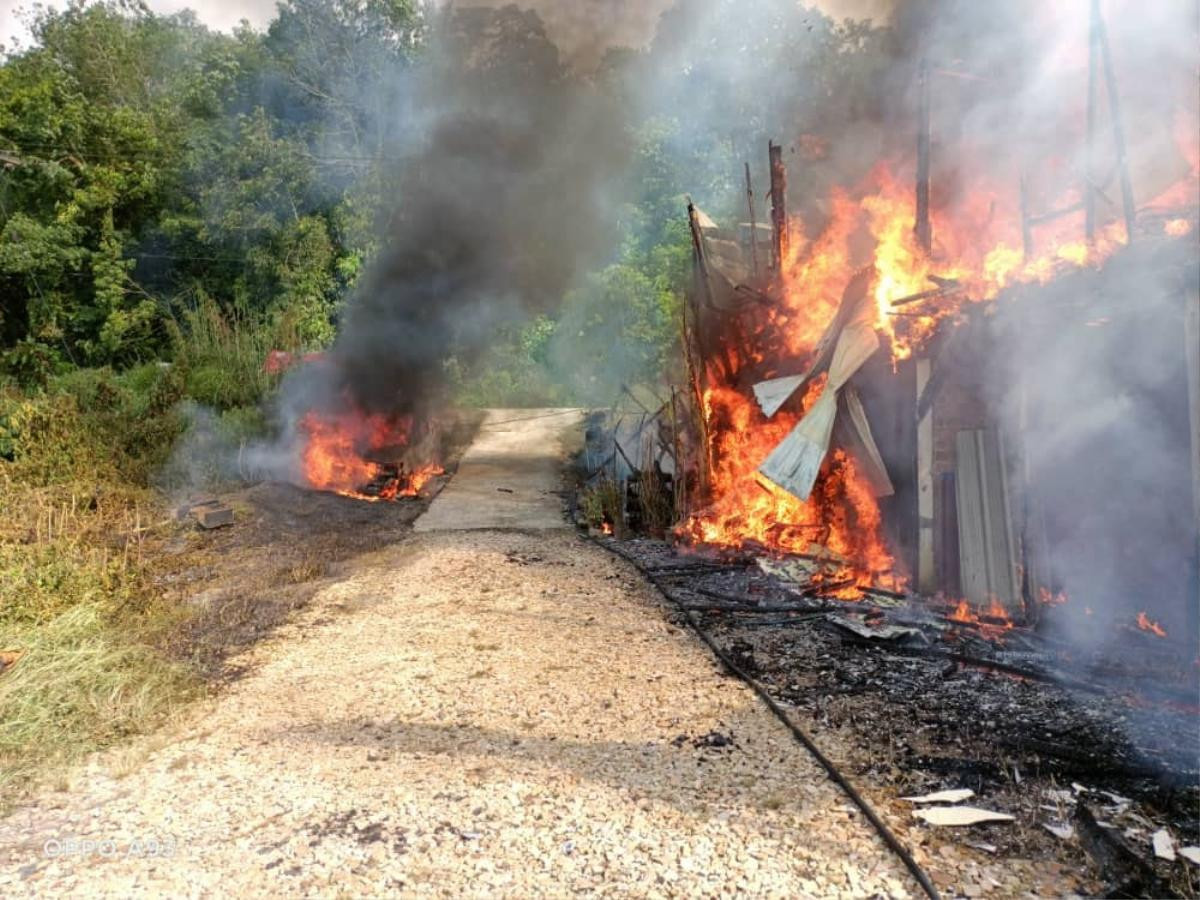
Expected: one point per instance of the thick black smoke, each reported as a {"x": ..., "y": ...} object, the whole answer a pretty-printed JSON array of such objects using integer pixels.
[{"x": 501, "y": 202}]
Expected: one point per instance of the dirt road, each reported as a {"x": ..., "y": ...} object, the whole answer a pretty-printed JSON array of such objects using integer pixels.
[{"x": 480, "y": 713}]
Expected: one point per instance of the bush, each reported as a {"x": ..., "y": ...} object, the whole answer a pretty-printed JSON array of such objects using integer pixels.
[{"x": 222, "y": 358}]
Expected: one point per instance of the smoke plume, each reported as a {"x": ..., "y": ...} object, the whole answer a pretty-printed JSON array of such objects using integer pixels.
[{"x": 501, "y": 202}]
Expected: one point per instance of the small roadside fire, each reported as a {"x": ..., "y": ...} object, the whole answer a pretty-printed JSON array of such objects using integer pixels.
[{"x": 346, "y": 453}]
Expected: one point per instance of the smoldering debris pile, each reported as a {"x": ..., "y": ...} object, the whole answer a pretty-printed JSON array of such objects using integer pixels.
[{"x": 1081, "y": 754}]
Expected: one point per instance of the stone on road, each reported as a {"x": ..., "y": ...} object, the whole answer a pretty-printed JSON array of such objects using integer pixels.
[
  {"x": 467, "y": 713},
  {"x": 511, "y": 476}
]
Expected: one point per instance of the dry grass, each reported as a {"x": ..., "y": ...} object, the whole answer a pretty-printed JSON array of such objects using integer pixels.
[
  {"x": 77, "y": 609},
  {"x": 79, "y": 684},
  {"x": 604, "y": 503}
]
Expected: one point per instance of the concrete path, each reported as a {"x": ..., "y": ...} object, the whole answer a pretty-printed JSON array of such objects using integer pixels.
[
  {"x": 464, "y": 714},
  {"x": 511, "y": 477}
]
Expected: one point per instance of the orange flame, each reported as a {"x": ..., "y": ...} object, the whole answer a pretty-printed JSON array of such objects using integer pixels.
[
  {"x": 1046, "y": 598},
  {"x": 335, "y": 455},
  {"x": 978, "y": 253},
  {"x": 993, "y": 621},
  {"x": 1145, "y": 623}
]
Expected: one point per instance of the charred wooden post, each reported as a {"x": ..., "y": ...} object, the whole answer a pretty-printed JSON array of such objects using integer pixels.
[
  {"x": 923, "y": 228},
  {"x": 690, "y": 321},
  {"x": 926, "y": 573},
  {"x": 1118, "y": 130},
  {"x": 779, "y": 220},
  {"x": 753, "y": 223},
  {"x": 699, "y": 257}
]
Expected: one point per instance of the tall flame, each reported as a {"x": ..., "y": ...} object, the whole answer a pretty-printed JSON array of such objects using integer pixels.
[{"x": 978, "y": 252}]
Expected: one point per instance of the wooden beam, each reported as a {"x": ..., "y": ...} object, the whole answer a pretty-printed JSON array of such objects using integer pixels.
[
  {"x": 779, "y": 220},
  {"x": 922, "y": 227},
  {"x": 926, "y": 574}
]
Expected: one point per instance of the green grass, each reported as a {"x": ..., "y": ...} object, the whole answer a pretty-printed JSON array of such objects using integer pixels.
[{"x": 78, "y": 612}]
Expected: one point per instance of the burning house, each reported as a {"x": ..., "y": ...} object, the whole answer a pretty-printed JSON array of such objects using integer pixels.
[
  {"x": 941, "y": 487},
  {"x": 946, "y": 399}
]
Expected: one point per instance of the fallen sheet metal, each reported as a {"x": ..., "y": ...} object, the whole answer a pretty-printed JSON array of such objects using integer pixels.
[
  {"x": 955, "y": 816},
  {"x": 876, "y": 633},
  {"x": 1064, "y": 831},
  {"x": 772, "y": 394},
  {"x": 853, "y": 431},
  {"x": 794, "y": 464},
  {"x": 795, "y": 570},
  {"x": 1164, "y": 847}
]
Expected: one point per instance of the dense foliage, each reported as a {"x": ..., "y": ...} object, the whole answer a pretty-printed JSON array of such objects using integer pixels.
[{"x": 150, "y": 167}]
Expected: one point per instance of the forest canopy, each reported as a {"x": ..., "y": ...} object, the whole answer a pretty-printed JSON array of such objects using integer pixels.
[{"x": 151, "y": 168}]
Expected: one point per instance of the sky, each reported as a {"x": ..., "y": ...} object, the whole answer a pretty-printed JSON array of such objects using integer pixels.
[
  {"x": 631, "y": 22},
  {"x": 219, "y": 14}
]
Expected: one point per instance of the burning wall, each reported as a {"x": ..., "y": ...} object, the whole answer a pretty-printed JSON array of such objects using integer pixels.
[{"x": 991, "y": 239}]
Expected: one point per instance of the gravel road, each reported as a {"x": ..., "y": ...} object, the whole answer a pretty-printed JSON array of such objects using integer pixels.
[{"x": 468, "y": 713}]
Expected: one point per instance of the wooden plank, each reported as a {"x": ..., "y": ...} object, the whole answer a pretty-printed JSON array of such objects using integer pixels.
[
  {"x": 926, "y": 576},
  {"x": 987, "y": 564}
]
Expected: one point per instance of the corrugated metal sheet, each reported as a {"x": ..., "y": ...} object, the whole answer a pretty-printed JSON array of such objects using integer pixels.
[
  {"x": 985, "y": 536},
  {"x": 794, "y": 464}
]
